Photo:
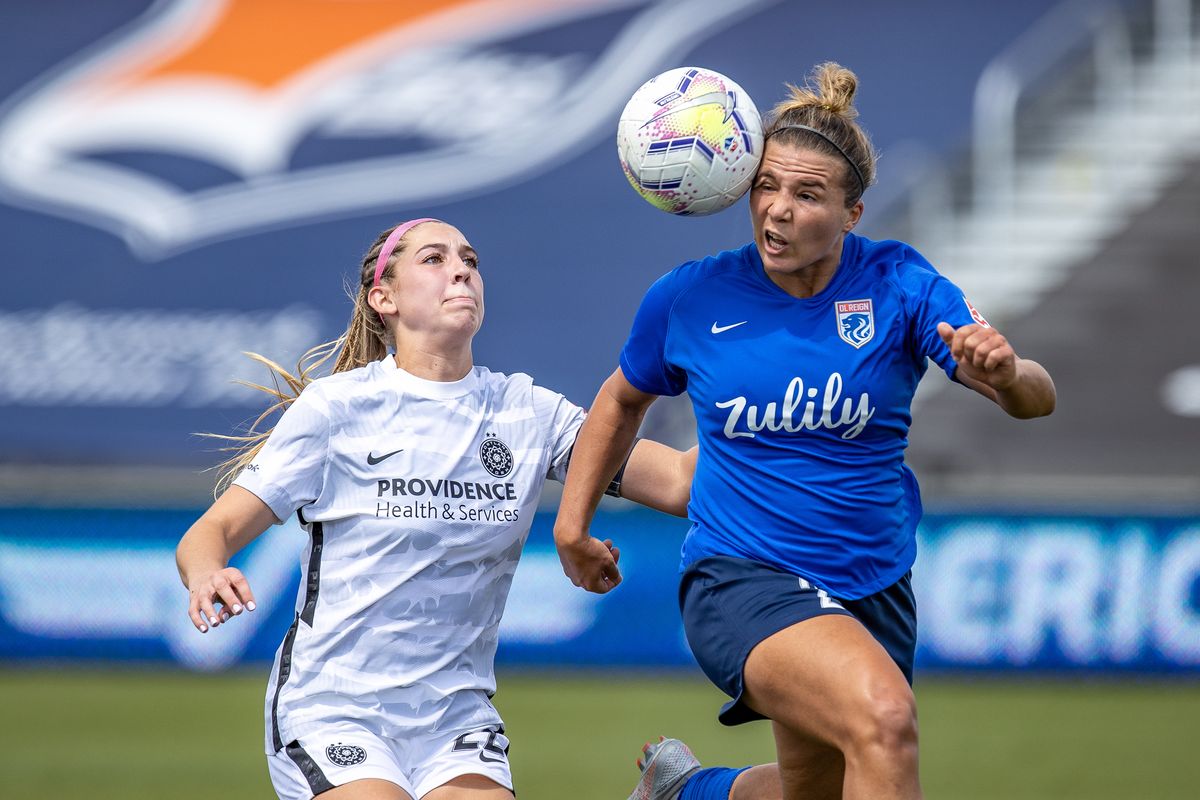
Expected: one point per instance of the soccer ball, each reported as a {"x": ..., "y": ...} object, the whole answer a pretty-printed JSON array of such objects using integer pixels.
[{"x": 690, "y": 141}]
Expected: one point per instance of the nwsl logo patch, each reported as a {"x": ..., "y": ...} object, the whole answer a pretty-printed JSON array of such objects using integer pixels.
[
  {"x": 855, "y": 321},
  {"x": 975, "y": 315}
]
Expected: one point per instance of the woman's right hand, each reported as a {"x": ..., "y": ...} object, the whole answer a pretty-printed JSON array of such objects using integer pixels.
[
  {"x": 225, "y": 528},
  {"x": 227, "y": 588},
  {"x": 589, "y": 562}
]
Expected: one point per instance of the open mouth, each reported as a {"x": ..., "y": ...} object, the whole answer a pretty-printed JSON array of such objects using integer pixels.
[{"x": 773, "y": 242}]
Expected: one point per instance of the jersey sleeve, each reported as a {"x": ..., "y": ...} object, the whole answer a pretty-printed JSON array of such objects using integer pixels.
[
  {"x": 563, "y": 420},
  {"x": 289, "y": 471},
  {"x": 644, "y": 358},
  {"x": 933, "y": 298}
]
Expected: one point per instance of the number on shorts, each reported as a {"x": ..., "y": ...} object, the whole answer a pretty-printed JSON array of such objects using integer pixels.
[
  {"x": 490, "y": 745},
  {"x": 822, "y": 595}
]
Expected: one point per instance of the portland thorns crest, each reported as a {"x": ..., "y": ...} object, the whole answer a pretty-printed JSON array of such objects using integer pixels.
[
  {"x": 345, "y": 755},
  {"x": 496, "y": 457}
]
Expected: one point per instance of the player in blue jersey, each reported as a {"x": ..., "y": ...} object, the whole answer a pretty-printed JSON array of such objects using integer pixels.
[{"x": 800, "y": 352}]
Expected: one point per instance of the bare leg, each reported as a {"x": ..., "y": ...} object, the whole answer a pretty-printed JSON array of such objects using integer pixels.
[
  {"x": 366, "y": 789},
  {"x": 469, "y": 787},
  {"x": 827, "y": 681},
  {"x": 758, "y": 783},
  {"x": 816, "y": 769}
]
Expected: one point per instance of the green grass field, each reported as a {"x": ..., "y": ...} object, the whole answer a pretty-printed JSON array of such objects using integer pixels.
[{"x": 133, "y": 735}]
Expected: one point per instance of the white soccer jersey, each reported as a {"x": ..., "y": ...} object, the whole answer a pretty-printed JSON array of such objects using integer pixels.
[{"x": 417, "y": 496}]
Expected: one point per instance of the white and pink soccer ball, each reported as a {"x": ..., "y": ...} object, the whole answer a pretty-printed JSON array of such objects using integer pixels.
[{"x": 690, "y": 140}]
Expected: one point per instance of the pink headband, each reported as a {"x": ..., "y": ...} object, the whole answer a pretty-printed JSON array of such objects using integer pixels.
[{"x": 390, "y": 243}]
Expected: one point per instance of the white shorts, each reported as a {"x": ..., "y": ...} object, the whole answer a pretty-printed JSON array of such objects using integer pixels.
[{"x": 418, "y": 764}]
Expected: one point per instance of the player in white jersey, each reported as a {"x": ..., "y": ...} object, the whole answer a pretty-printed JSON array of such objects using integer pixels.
[{"x": 417, "y": 476}]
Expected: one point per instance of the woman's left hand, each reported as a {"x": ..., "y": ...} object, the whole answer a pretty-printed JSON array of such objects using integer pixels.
[{"x": 982, "y": 354}]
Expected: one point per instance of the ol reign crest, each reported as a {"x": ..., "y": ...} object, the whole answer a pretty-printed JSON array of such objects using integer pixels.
[{"x": 855, "y": 321}]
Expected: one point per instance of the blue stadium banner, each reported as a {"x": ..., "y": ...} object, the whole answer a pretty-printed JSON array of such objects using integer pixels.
[
  {"x": 995, "y": 592},
  {"x": 184, "y": 180},
  {"x": 1104, "y": 593}
]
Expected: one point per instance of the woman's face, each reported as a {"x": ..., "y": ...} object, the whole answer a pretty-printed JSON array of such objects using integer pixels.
[
  {"x": 435, "y": 286},
  {"x": 798, "y": 209}
]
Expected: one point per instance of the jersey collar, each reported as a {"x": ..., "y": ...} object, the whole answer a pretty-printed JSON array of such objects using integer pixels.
[
  {"x": 851, "y": 247},
  {"x": 435, "y": 390}
]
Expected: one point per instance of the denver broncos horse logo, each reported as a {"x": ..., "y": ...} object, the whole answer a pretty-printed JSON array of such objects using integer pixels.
[{"x": 208, "y": 120}]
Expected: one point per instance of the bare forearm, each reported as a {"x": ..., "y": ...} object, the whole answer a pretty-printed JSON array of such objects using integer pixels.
[
  {"x": 659, "y": 477},
  {"x": 203, "y": 549},
  {"x": 226, "y": 527},
  {"x": 1031, "y": 395},
  {"x": 988, "y": 364},
  {"x": 603, "y": 442}
]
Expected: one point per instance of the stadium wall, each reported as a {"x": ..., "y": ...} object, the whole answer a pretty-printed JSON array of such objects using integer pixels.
[
  {"x": 221, "y": 196},
  {"x": 996, "y": 592}
]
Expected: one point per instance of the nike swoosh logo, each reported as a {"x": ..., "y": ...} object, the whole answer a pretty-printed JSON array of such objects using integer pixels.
[
  {"x": 373, "y": 459},
  {"x": 722, "y": 328}
]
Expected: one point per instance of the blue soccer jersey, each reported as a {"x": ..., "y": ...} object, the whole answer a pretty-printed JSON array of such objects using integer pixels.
[{"x": 802, "y": 405}]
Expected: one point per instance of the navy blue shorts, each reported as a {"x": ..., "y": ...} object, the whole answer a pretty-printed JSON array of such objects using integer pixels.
[{"x": 729, "y": 605}]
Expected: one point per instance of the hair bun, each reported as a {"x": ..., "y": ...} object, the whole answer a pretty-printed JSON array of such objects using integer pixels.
[{"x": 825, "y": 106}]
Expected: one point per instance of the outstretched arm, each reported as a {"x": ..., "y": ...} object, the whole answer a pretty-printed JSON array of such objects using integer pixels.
[
  {"x": 988, "y": 364},
  {"x": 236, "y": 518},
  {"x": 659, "y": 477},
  {"x": 609, "y": 430}
]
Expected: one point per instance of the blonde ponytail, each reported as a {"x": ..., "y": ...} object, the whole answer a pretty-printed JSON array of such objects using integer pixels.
[{"x": 365, "y": 340}]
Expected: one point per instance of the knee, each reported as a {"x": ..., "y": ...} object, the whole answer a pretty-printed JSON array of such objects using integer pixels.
[{"x": 886, "y": 724}]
